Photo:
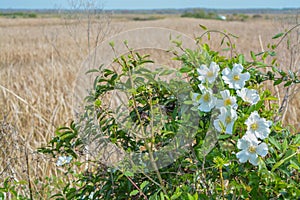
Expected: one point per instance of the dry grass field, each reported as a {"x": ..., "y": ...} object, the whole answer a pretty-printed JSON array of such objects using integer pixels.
[{"x": 39, "y": 61}]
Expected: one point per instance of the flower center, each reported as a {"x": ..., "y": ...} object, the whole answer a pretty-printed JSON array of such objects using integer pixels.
[
  {"x": 206, "y": 97},
  {"x": 210, "y": 74},
  {"x": 227, "y": 102},
  {"x": 254, "y": 126},
  {"x": 252, "y": 149},
  {"x": 228, "y": 119},
  {"x": 236, "y": 77}
]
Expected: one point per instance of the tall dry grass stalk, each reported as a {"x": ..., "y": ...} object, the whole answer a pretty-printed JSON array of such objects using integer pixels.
[{"x": 39, "y": 61}]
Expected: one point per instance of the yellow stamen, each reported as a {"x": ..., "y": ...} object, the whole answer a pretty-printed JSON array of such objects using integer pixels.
[
  {"x": 228, "y": 120},
  {"x": 206, "y": 97},
  {"x": 236, "y": 77},
  {"x": 252, "y": 149},
  {"x": 227, "y": 102},
  {"x": 210, "y": 74},
  {"x": 254, "y": 126}
]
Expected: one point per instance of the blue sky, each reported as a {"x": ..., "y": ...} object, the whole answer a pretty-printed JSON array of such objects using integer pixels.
[{"x": 151, "y": 4}]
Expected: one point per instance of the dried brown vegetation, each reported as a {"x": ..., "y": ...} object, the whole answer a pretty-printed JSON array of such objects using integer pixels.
[{"x": 39, "y": 61}]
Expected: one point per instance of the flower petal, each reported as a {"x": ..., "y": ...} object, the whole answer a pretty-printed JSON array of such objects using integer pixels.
[
  {"x": 253, "y": 159},
  {"x": 243, "y": 144},
  {"x": 262, "y": 149},
  {"x": 242, "y": 156}
]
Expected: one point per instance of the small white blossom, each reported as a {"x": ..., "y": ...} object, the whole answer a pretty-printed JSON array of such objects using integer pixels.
[
  {"x": 235, "y": 78},
  {"x": 258, "y": 126},
  {"x": 62, "y": 160},
  {"x": 248, "y": 95},
  {"x": 208, "y": 74},
  {"x": 207, "y": 100},
  {"x": 225, "y": 121},
  {"x": 195, "y": 99},
  {"x": 251, "y": 148},
  {"x": 226, "y": 100}
]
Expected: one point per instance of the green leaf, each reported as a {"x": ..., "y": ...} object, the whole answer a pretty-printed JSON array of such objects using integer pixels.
[
  {"x": 177, "y": 194},
  {"x": 186, "y": 69},
  {"x": 277, "y": 82},
  {"x": 253, "y": 55},
  {"x": 188, "y": 102},
  {"x": 128, "y": 173},
  {"x": 278, "y": 35},
  {"x": 190, "y": 197},
  {"x": 275, "y": 143},
  {"x": 134, "y": 192},
  {"x": 92, "y": 71},
  {"x": 270, "y": 98},
  {"x": 241, "y": 59},
  {"x": 232, "y": 35},
  {"x": 288, "y": 83},
  {"x": 196, "y": 196},
  {"x": 166, "y": 72},
  {"x": 282, "y": 161},
  {"x": 162, "y": 196},
  {"x": 272, "y": 53},
  {"x": 294, "y": 165},
  {"x": 203, "y": 27},
  {"x": 223, "y": 136},
  {"x": 144, "y": 184},
  {"x": 1, "y": 196}
]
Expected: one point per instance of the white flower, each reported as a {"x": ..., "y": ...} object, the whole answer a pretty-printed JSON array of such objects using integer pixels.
[
  {"x": 225, "y": 121},
  {"x": 62, "y": 160},
  {"x": 251, "y": 148},
  {"x": 258, "y": 126},
  {"x": 248, "y": 95},
  {"x": 207, "y": 100},
  {"x": 227, "y": 100},
  {"x": 195, "y": 99},
  {"x": 208, "y": 74},
  {"x": 235, "y": 78}
]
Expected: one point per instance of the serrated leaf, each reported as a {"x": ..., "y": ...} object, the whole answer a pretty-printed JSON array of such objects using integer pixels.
[{"x": 278, "y": 35}]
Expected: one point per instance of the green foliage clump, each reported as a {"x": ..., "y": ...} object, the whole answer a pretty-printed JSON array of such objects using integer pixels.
[
  {"x": 18, "y": 15},
  {"x": 201, "y": 14},
  {"x": 238, "y": 17},
  {"x": 147, "y": 18}
]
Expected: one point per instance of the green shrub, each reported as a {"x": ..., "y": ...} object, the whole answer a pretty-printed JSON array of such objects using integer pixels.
[
  {"x": 227, "y": 144},
  {"x": 202, "y": 14}
]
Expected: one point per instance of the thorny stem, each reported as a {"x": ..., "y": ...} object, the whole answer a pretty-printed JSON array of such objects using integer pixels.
[
  {"x": 133, "y": 183},
  {"x": 149, "y": 148}
]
